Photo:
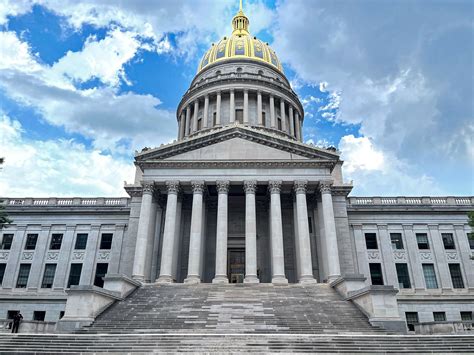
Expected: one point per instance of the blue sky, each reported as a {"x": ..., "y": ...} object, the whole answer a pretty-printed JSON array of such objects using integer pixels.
[{"x": 85, "y": 84}]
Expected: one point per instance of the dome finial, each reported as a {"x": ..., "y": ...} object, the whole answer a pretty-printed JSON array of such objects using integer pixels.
[
  {"x": 240, "y": 8},
  {"x": 240, "y": 22}
]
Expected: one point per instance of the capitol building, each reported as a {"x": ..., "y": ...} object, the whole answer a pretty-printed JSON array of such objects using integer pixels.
[{"x": 239, "y": 198}]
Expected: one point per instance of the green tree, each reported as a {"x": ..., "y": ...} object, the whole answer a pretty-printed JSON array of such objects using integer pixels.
[
  {"x": 471, "y": 223},
  {"x": 3, "y": 214}
]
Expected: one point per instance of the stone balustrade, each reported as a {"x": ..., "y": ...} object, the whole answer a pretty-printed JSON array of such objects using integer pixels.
[
  {"x": 76, "y": 201},
  {"x": 411, "y": 201}
]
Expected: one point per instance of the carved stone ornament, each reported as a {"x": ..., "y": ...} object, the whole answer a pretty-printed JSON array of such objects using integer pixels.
[
  {"x": 372, "y": 255},
  {"x": 78, "y": 255},
  {"x": 148, "y": 187},
  {"x": 300, "y": 186},
  {"x": 172, "y": 187},
  {"x": 274, "y": 186},
  {"x": 52, "y": 255},
  {"x": 222, "y": 186},
  {"x": 198, "y": 187},
  {"x": 451, "y": 255},
  {"x": 399, "y": 255},
  {"x": 250, "y": 186},
  {"x": 4, "y": 255},
  {"x": 103, "y": 255},
  {"x": 27, "y": 255},
  {"x": 426, "y": 255},
  {"x": 325, "y": 187}
]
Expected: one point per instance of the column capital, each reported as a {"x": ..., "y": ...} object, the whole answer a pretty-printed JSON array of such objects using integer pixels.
[
  {"x": 274, "y": 186},
  {"x": 172, "y": 186},
  {"x": 222, "y": 186},
  {"x": 148, "y": 187},
  {"x": 198, "y": 187},
  {"x": 325, "y": 187},
  {"x": 300, "y": 186},
  {"x": 250, "y": 186}
]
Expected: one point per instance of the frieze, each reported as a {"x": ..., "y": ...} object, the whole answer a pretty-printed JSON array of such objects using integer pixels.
[
  {"x": 236, "y": 164},
  {"x": 399, "y": 255},
  {"x": 373, "y": 255},
  {"x": 4, "y": 255},
  {"x": 27, "y": 255},
  {"x": 103, "y": 255},
  {"x": 451, "y": 255},
  {"x": 52, "y": 255},
  {"x": 78, "y": 255},
  {"x": 426, "y": 255}
]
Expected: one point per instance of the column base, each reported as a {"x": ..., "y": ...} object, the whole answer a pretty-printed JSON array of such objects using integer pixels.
[
  {"x": 279, "y": 281},
  {"x": 165, "y": 280},
  {"x": 251, "y": 279},
  {"x": 307, "y": 280},
  {"x": 192, "y": 280},
  {"x": 220, "y": 280}
]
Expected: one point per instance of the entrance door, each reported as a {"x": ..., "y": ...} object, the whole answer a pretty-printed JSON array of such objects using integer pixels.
[{"x": 236, "y": 267}]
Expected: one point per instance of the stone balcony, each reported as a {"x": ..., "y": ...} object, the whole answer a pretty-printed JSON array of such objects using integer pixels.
[
  {"x": 407, "y": 203},
  {"x": 66, "y": 202}
]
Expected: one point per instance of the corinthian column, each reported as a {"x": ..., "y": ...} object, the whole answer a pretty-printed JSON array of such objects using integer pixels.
[
  {"x": 332, "y": 251},
  {"x": 142, "y": 233},
  {"x": 250, "y": 233},
  {"x": 304, "y": 249},
  {"x": 272, "y": 112},
  {"x": 259, "y": 108},
  {"x": 292, "y": 122},
  {"x": 221, "y": 237},
  {"x": 218, "y": 109},
  {"x": 188, "y": 119},
  {"x": 282, "y": 114},
  {"x": 195, "y": 115},
  {"x": 246, "y": 106},
  {"x": 205, "y": 115},
  {"x": 195, "y": 238},
  {"x": 167, "y": 250},
  {"x": 277, "y": 249},
  {"x": 232, "y": 106}
]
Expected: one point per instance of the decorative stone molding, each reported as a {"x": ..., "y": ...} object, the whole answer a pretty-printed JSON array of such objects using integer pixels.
[
  {"x": 198, "y": 187},
  {"x": 148, "y": 187},
  {"x": 27, "y": 255},
  {"x": 172, "y": 187},
  {"x": 52, "y": 255},
  {"x": 373, "y": 255},
  {"x": 274, "y": 186},
  {"x": 300, "y": 186},
  {"x": 78, "y": 255},
  {"x": 222, "y": 186},
  {"x": 4, "y": 255},
  {"x": 452, "y": 255},
  {"x": 250, "y": 186},
  {"x": 426, "y": 255},
  {"x": 399, "y": 255},
  {"x": 325, "y": 187},
  {"x": 103, "y": 255}
]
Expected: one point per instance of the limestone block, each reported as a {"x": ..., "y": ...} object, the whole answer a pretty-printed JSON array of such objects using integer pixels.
[{"x": 122, "y": 284}]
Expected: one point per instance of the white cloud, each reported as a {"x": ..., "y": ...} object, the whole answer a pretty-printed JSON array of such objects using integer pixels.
[
  {"x": 16, "y": 54},
  {"x": 360, "y": 154},
  {"x": 56, "y": 168},
  {"x": 13, "y": 8}
]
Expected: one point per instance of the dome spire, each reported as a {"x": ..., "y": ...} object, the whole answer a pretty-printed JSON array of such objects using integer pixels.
[{"x": 240, "y": 22}]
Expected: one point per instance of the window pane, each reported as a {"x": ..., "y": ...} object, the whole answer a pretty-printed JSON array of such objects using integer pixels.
[
  {"x": 412, "y": 319},
  {"x": 74, "y": 275},
  {"x": 7, "y": 240},
  {"x": 371, "y": 240},
  {"x": 81, "y": 241},
  {"x": 422, "y": 240},
  {"x": 439, "y": 316},
  {"x": 376, "y": 274},
  {"x": 106, "y": 241},
  {"x": 448, "y": 241},
  {"x": 2, "y": 272},
  {"x": 239, "y": 115},
  {"x": 100, "y": 272},
  {"x": 430, "y": 276},
  {"x": 23, "y": 275},
  {"x": 466, "y": 316},
  {"x": 39, "y": 315},
  {"x": 31, "y": 241},
  {"x": 456, "y": 275},
  {"x": 403, "y": 276},
  {"x": 48, "y": 277},
  {"x": 56, "y": 240},
  {"x": 397, "y": 242}
]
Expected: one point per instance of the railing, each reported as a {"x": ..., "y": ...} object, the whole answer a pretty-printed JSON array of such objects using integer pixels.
[
  {"x": 76, "y": 201},
  {"x": 412, "y": 201}
]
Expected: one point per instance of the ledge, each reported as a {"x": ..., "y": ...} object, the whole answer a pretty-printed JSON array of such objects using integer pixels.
[
  {"x": 94, "y": 289},
  {"x": 372, "y": 289}
]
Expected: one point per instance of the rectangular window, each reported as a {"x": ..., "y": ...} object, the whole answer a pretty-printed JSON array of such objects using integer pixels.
[
  {"x": 279, "y": 123},
  {"x": 430, "y": 276},
  {"x": 439, "y": 316},
  {"x": 371, "y": 240},
  {"x": 422, "y": 240},
  {"x": 11, "y": 313},
  {"x": 412, "y": 319},
  {"x": 456, "y": 275},
  {"x": 81, "y": 241},
  {"x": 310, "y": 224},
  {"x": 23, "y": 275},
  {"x": 74, "y": 275},
  {"x": 471, "y": 241},
  {"x": 31, "y": 240},
  {"x": 264, "y": 119},
  {"x": 7, "y": 240},
  {"x": 214, "y": 118},
  {"x": 48, "y": 277},
  {"x": 448, "y": 241},
  {"x": 100, "y": 272},
  {"x": 239, "y": 115},
  {"x": 39, "y": 315},
  {"x": 376, "y": 274},
  {"x": 403, "y": 276},
  {"x": 106, "y": 241},
  {"x": 61, "y": 314},
  {"x": 466, "y": 316},
  {"x": 2, "y": 272},
  {"x": 56, "y": 240},
  {"x": 199, "y": 123},
  {"x": 397, "y": 241}
]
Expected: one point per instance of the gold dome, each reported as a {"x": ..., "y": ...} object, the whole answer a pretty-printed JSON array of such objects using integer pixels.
[{"x": 241, "y": 44}]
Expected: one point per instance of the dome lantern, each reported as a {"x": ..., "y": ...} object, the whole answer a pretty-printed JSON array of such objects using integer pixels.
[{"x": 240, "y": 22}]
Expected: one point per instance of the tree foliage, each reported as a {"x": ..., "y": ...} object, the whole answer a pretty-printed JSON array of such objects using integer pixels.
[{"x": 471, "y": 223}]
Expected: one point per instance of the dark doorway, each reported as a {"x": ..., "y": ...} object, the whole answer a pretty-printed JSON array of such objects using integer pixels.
[{"x": 236, "y": 266}]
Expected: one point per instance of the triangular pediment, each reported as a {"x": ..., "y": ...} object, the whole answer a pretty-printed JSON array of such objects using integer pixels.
[{"x": 237, "y": 143}]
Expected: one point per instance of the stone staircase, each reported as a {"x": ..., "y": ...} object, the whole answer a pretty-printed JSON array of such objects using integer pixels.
[{"x": 231, "y": 309}]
